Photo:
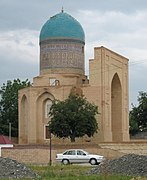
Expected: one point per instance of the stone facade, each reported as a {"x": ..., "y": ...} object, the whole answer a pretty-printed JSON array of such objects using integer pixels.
[
  {"x": 61, "y": 72},
  {"x": 109, "y": 76},
  {"x": 107, "y": 87}
]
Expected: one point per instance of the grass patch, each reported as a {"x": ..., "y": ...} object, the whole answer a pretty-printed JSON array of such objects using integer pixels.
[{"x": 72, "y": 172}]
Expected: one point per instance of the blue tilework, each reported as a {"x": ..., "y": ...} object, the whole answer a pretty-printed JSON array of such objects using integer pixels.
[{"x": 62, "y": 26}]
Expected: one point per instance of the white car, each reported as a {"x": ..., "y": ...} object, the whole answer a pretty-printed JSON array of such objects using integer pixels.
[{"x": 78, "y": 156}]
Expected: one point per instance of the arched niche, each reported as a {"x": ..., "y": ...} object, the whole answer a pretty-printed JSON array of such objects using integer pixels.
[
  {"x": 43, "y": 104},
  {"x": 23, "y": 124},
  {"x": 116, "y": 108}
]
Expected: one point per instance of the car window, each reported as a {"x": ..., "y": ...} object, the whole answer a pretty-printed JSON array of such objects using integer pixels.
[
  {"x": 71, "y": 152},
  {"x": 65, "y": 153},
  {"x": 80, "y": 153}
]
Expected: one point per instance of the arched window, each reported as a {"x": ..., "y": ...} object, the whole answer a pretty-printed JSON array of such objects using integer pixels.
[{"x": 48, "y": 105}]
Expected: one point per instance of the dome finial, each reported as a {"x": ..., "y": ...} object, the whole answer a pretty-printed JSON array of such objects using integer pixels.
[{"x": 62, "y": 9}]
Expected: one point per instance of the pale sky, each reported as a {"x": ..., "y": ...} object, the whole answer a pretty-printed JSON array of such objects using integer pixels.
[{"x": 119, "y": 25}]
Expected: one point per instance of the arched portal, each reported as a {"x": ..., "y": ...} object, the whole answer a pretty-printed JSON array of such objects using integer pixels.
[{"x": 116, "y": 109}]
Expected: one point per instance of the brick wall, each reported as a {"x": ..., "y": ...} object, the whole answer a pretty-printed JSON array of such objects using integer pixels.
[
  {"x": 41, "y": 154},
  {"x": 29, "y": 154}
]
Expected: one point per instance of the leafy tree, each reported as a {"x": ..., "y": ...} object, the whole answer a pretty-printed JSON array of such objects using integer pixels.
[
  {"x": 138, "y": 115},
  {"x": 9, "y": 106},
  {"x": 74, "y": 117}
]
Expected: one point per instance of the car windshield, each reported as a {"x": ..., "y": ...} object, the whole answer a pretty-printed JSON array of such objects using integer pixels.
[{"x": 86, "y": 152}]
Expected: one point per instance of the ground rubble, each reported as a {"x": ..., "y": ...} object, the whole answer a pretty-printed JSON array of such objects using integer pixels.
[
  {"x": 130, "y": 165},
  {"x": 10, "y": 168}
]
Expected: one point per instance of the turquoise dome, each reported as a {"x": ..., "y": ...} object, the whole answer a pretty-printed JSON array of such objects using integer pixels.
[{"x": 62, "y": 26}]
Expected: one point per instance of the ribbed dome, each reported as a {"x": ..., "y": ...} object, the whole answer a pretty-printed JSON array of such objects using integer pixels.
[{"x": 62, "y": 26}]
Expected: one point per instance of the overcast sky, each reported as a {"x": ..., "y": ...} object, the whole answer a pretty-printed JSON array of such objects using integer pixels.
[{"x": 120, "y": 25}]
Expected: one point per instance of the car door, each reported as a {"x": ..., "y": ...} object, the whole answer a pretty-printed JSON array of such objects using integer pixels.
[
  {"x": 82, "y": 157},
  {"x": 71, "y": 155}
]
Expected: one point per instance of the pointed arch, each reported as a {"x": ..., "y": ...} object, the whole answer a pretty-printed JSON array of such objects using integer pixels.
[
  {"x": 23, "y": 123},
  {"x": 43, "y": 104},
  {"x": 116, "y": 108}
]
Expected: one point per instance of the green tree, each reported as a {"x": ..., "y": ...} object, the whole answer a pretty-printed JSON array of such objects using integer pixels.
[
  {"x": 138, "y": 115},
  {"x": 9, "y": 106},
  {"x": 74, "y": 117}
]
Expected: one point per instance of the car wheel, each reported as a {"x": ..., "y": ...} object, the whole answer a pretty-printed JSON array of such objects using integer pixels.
[
  {"x": 65, "y": 161},
  {"x": 93, "y": 161}
]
